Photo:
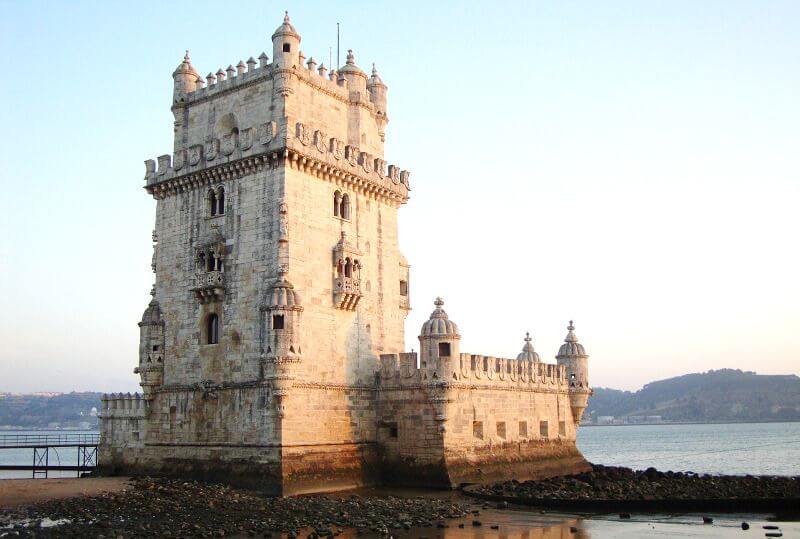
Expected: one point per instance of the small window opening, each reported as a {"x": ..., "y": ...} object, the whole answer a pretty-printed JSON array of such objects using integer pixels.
[
  {"x": 392, "y": 430},
  {"x": 403, "y": 288},
  {"x": 444, "y": 349},
  {"x": 155, "y": 348},
  {"x": 562, "y": 428},
  {"x": 543, "y": 430},
  {"x": 344, "y": 207},
  {"x": 348, "y": 267},
  {"x": 501, "y": 429},
  {"x": 287, "y": 47},
  {"x": 523, "y": 429},
  {"x": 337, "y": 201},
  {"x": 212, "y": 262},
  {"x": 212, "y": 203},
  {"x": 477, "y": 429},
  {"x": 212, "y": 329},
  {"x": 221, "y": 201},
  {"x": 277, "y": 321}
]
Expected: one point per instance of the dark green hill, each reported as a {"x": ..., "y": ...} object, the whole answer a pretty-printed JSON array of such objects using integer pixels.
[
  {"x": 722, "y": 395},
  {"x": 49, "y": 410}
]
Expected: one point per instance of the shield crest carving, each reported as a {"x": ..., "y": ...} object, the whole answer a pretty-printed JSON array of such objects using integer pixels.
[{"x": 195, "y": 153}]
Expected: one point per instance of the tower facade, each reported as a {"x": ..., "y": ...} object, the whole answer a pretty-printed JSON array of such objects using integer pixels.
[{"x": 271, "y": 348}]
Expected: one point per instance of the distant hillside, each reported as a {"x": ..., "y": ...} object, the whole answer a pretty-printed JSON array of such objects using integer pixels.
[
  {"x": 53, "y": 410},
  {"x": 723, "y": 395}
]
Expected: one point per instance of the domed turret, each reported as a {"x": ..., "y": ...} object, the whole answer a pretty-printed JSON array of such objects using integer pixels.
[
  {"x": 573, "y": 356},
  {"x": 439, "y": 337},
  {"x": 186, "y": 78},
  {"x": 286, "y": 44},
  {"x": 355, "y": 77},
  {"x": 528, "y": 353},
  {"x": 282, "y": 321},
  {"x": 377, "y": 95}
]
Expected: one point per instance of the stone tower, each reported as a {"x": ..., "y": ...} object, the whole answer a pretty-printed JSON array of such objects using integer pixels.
[
  {"x": 278, "y": 276},
  {"x": 271, "y": 353}
]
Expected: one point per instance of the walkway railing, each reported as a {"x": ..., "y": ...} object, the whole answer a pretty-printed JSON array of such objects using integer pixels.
[{"x": 43, "y": 444}]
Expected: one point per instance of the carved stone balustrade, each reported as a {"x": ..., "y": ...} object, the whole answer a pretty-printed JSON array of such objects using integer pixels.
[
  {"x": 346, "y": 292},
  {"x": 209, "y": 286}
]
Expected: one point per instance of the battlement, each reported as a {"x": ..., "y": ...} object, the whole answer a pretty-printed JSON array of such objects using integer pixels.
[
  {"x": 475, "y": 369},
  {"x": 123, "y": 406},
  {"x": 260, "y": 145}
]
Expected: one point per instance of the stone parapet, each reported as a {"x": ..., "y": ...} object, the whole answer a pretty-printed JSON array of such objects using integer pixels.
[{"x": 123, "y": 406}]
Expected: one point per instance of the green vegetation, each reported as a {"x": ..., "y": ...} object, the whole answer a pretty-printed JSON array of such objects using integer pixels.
[
  {"x": 722, "y": 395},
  {"x": 53, "y": 410}
]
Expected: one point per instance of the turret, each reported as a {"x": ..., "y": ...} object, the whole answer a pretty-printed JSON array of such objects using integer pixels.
[
  {"x": 286, "y": 45},
  {"x": 377, "y": 95},
  {"x": 186, "y": 79},
  {"x": 573, "y": 356},
  {"x": 438, "y": 340},
  {"x": 356, "y": 79},
  {"x": 528, "y": 353},
  {"x": 151, "y": 350},
  {"x": 282, "y": 322}
]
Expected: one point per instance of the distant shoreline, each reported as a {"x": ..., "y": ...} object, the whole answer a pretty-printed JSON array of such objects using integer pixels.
[{"x": 662, "y": 423}]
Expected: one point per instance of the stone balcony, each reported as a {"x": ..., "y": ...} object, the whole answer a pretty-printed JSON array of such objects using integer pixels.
[
  {"x": 346, "y": 293},
  {"x": 209, "y": 286}
]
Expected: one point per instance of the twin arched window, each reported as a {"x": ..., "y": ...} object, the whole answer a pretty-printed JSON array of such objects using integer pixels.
[
  {"x": 341, "y": 205},
  {"x": 209, "y": 261},
  {"x": 348, "y": 267},
  {"x": 216, "y": 201}
]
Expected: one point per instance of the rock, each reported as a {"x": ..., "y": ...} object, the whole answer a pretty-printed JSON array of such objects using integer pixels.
[
  {"x": 477, "y": 523},
  {"x": 745, "y": 526},
  {"x": 495, "y": 527},
  {"x": 502, "y": 505},
  {"x": 624, "y": 515},
  {"x": 708, "y": 520}
]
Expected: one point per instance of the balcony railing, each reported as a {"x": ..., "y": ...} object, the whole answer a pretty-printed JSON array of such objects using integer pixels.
[
  {"x": 346, "y": 292},
  {"x": 209, "y": 286}
]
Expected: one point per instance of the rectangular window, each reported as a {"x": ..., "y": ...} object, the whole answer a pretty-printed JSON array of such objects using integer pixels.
[
  {"x": 403, "y": 288},
  {"x": 543, "y": 429},
  {"x": 501, "y": 429},
  {"x": 523, "y": 429},
  {"x": 477, "y": 429},
  {"x": 562, "y": 428},
  {"x": 444, "y": 349},
  {"x": 277, "y": 321},
  {"x": 392, "y": 430}
]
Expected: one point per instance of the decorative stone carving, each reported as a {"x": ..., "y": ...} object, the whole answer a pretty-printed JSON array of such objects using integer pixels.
[
  {"x": 365, "y": 160},
  {"x": 195, "y": 154},
  {"x": 320, "y": 140},
  {"x": 211, "y": 149},
  {"x": 351, "y": 154},
  {"x": 246, "y": 138},
  {"x": 337, "y": 148},
  {"x": 179, "y": 159},
  {"x": 302, "y": 134},
  {"x": 404, "y": 178},
  {"x": 266, "y": 132},
  {"x": 394, "y": 174},
  {"x": 228, "y": 144},
  {"x": 380, "y": 167},
  {"x": 164, "y": 162}
]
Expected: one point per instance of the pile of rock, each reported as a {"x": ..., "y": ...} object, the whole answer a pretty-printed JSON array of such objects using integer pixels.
[
  {"x": 624, "y": 484},
  {"x": 175, "y": 508}
]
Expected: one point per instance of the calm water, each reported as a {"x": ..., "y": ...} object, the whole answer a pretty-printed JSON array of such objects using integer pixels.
[
  {"x": 742, "y": 448},
  {"x": 67, "y": 456},
  {"x": 737, "y": 449}
]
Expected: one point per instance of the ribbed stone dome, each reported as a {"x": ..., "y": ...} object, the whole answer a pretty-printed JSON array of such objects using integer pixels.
[
  {"x": 571, "y": 346},
  {"x": 151, "y": 315},
  {"x": 439, "y": 325},
  {"x": 286, "y": 29},
  {"x": 283, "y": 295},
  {"x": 528, "y": 353}
]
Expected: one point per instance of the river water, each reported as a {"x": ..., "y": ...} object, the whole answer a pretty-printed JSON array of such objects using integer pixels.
[{"x": 743, "y": 448}]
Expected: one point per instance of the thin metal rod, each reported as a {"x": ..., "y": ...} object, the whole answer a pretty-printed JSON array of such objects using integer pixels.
[{"x": 337, "y": 46}]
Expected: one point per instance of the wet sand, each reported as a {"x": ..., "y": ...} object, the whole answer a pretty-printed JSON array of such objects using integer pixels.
[{"x": 18, "y": 492}]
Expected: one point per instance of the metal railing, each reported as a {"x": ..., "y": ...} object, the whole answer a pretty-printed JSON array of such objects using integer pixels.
[{"x": 48, "y": 440}]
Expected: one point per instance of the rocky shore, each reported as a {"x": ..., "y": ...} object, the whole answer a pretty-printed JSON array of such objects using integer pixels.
[
  {"x": 173, "y": 508},
  {"x": 617, "y": 487}
]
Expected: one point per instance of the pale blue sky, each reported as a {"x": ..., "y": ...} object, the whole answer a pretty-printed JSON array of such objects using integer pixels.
[{"x": 633, "y": 165}]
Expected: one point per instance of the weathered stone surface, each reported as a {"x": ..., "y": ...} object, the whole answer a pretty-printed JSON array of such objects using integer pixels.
[{"x": 271, "y": 354}]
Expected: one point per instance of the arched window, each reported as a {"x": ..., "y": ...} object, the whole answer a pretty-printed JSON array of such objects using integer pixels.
[
  {"x": 212, "y": 262},
  {"x": 220, "y": 201},
  {"x": 212, "y": 203},
  {"x": 348, "y": 267},
  {"x": 344, "y": 210},
  {"x": 339, "y": 268},
  {"x": 337, "y": 200},
  {"x": 212, "y": 329},
  {"x": 201, "y": 261}
]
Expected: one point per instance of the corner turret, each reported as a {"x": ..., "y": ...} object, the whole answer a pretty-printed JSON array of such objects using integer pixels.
[
  {"x": 528, "y": 353},
  {"x": 573, "y": 356},
  {"x": 356, "y": 79},
  {"x": 186, "y": 79},
  {"x": 377, "y": 95},
  {"x": 438, "y": 339},
  {"x": 286, "y": 44}
]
